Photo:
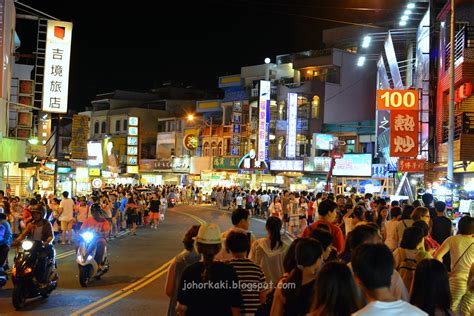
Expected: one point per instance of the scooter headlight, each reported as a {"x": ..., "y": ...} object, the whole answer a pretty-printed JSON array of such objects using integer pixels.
[
  {"x": 27, "y": 245},
  {"x": 87, "y": 236}
]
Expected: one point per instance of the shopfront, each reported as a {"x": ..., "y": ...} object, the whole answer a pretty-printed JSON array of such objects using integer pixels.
[{"x": 315, "y": 173}]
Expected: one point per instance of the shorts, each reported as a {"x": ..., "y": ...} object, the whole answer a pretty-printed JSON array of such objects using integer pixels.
[
  {"x": 294, "y": 221},
  {"x": 154, "y": 215},
  {"x": 132, "y": 219},
  {"x": 66, "y": 225}
]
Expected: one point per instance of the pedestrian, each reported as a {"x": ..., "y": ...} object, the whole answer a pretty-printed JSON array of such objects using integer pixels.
[
  {"x": 373, "y": 267},
  {"x": 294, "y": 216},
  {"x": 303, "y": 215},
  {"x": 132, "y": 216},
  {"x": 461, "y": 250},
  {"x": 154, "y": 207},
  {"x": 115, "y": 208},
  {"x": 250, "y": 275},
  {"x": 269, "y": 252},
  {"x": 409, "y": 254},
  {"x": 391, "y": 228},
  {"x": 66, "y": 216},
  {"x": 327, "y": 216},
  {"x": 82, "y": 211},
  {"x": 184, "y": 259},
  {"x": 296, "y": 297},
  {"x": 6, "y": 238},
  {"x": 405, "y": 222},
  {"x": 196, "y": 299},
  {"x": 164, "y": 208},
  {"x": 335, "y": 292},
  {"x": 431, "y": 288},
  {"x": 369, "y": 234},
  {"x": 241, "y": 223},
  {"x": 431, "y": 245}
]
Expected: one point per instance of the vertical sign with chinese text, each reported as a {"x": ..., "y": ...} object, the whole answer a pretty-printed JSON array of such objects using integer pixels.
[
  {"x": 132, "y": 145},
  {"x": 404, "y": 134},
  {"x": 80, "y": 134},
  {"x": 263, "y": 105},
  {"x": 56, "y": 66},
  {"x": 292, "y": 111},
  {"x": 236, "y": 128}
]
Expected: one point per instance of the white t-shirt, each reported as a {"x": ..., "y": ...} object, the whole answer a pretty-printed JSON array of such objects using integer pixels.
[
  {"x": 264, "y": 198},
  {"x": 396, "y": 308},
  {"x": 238, "y": 200},
  {"x": 68, "y": 210}
]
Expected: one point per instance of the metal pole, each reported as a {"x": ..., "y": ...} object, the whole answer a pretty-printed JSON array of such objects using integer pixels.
[
  {"x": 450, "y": 174},
  {"x": 56, "y": 154}
]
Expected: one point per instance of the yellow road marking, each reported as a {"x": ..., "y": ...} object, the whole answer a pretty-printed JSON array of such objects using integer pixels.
[
  {"x": 131, "y": 291},
  {"x": 133, "y": 287},
  {"x": 125, "y": 289}
]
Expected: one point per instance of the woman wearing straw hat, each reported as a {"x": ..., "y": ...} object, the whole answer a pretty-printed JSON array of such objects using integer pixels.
[{"x": 208, "y": 287}]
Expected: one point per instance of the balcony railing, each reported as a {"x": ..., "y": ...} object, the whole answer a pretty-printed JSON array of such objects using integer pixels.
[
  {"x": 463, "y": 124},
  {"x": 463, "y": 39}
]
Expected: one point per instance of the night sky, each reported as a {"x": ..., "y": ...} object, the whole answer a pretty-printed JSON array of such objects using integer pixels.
[{"x": 139, "y": 44}]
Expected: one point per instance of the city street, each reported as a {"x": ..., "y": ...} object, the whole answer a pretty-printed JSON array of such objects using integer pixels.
[{"x": 135, "y": 283}]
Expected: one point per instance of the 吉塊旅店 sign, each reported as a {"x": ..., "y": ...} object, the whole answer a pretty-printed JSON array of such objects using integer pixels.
[{"x": 56, "y": 66}]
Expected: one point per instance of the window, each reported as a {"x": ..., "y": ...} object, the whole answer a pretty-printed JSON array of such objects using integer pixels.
[
  {"x": 214, "y": 148},
  {"x": 315, "y": 107},
  {"x": 219, "y": 149},
  {"x": 117, "y": 125},
  {"x": 206, "y": 150},
  {"x": 96, "y": 128},
  {"x": 103, "y": 128},
  {"x": 350, "y": 145},
  {"x": 125, "y": 125}
]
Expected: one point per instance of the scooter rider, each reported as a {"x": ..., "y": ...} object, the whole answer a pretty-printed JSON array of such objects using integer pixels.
[
  {"x": 40, "y": 229},
  {"x": 6, "y": 238},
  {"x": 101, "y": 226}
]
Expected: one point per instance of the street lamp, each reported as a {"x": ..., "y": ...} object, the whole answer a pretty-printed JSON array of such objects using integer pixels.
[
  {"x": 190, "y": 117},
  {"x": 33, "y": 141}
]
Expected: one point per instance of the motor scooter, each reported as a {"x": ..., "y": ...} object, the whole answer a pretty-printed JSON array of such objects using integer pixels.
[
  {"x": 32, "y": 274},
  {"x": 86, "y": 261}
]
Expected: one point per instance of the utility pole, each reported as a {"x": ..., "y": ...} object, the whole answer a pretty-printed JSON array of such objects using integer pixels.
[
  {"x": 450, "y": 174},
  {"x": 56, "y": 154}
]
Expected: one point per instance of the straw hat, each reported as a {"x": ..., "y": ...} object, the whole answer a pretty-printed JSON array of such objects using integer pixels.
[{"x": 209, "y": 234}]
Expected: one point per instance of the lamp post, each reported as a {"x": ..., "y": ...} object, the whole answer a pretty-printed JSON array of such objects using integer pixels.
[
  {"x": 191, "y": 118},
  {"x": 450, "y": 174}
]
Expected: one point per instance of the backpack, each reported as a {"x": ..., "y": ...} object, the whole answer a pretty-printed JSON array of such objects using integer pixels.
[
  {"x": 406, "y": 269},
  {"x": 249, "y": 199}
]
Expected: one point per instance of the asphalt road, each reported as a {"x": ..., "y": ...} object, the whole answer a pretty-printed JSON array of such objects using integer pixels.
[{"x": 135, "y": 282}]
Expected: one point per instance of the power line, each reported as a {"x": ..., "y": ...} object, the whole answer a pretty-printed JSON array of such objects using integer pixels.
[
  {"x": 38, "y": 12},
  {"x": 313, "y": 17},
  {"x": 315, "y": 7}
]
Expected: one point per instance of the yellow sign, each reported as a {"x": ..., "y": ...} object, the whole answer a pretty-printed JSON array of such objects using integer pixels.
[
  {"x": 132, "y": 169},
  {"x": 94, "y": 172}
]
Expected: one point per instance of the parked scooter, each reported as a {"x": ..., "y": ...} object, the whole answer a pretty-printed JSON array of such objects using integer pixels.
[
  {"x": 88, "y": 266},
  {"x": 32, "y": 274}
]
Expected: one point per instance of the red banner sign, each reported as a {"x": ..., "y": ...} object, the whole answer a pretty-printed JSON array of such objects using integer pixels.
[
  {"x": 404, "y": 134},
  {"x": 411, "y": 165}
]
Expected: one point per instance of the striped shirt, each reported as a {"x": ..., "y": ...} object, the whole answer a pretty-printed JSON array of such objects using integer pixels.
[{"x": 251, "y": 281}]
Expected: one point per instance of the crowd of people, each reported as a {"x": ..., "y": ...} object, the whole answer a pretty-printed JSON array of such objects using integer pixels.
[{"x": 350, "y": 256}]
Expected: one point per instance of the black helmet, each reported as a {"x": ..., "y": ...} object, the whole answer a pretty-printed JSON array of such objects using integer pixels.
[{"x": 38, "y": 208}]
